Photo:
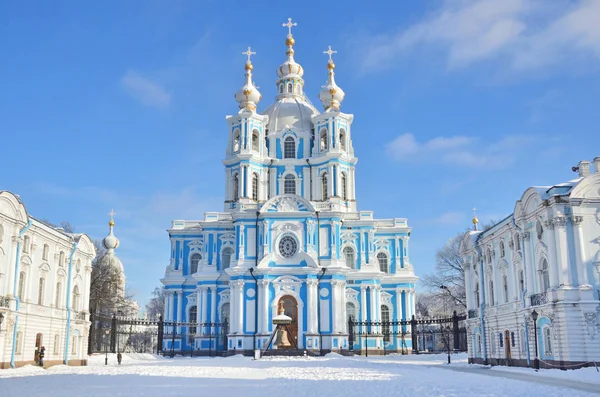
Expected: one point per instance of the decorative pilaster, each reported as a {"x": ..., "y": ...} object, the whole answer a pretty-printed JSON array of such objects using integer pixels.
[
  {"x": 579, "y": 249},
  {"x": 363, "y": 307},
  {"x": 239, "y": 287},
  {"x": 204, "y": 307},
  {"x": 560, "y": 235},
  {"x": 179, "y": 317},
  {"x": 311, "y": 289},
  {"x": 263, "y": 305},
  {"x": 213, "y": 304}
]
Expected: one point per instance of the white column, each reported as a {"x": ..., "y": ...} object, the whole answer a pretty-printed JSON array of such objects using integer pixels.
[
  {"x": 399, "y": 308},
  {"x": 553, "y": 259},
  {"x": 179, "y": 309},
  {"x": 240, "y": 305},
  {"x": 204, "y": 306},
  {"x": 335, "y": 310},
  {"x": 560, "y": 234},
  {"x": 198, "y": 308},
  {"x": 579, "y": 250},
  {"x": 344, "y": 315},
  {"x": 311, "y": 295},
  {"x": 363, "y": 307},
  {"x": 531, "y": 268},
  {"x": 232, "y": 307},
  {"x": 413, "y": 302},
  {"x": 263, "y": 306},
  {"x": 213, "y": 304},
  {"x": 373, "y": 308},
  {"x": 167, "y": 316}
]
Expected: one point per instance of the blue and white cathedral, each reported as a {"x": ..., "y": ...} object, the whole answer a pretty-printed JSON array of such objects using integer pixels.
[{"x": 290, "y": 234}]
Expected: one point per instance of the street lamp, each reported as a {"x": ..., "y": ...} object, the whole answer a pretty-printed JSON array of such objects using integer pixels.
[
  {"x": 447, "y": 327},
  {"x": 536, "y": 362},
  {"x": 106, "y": 331}
]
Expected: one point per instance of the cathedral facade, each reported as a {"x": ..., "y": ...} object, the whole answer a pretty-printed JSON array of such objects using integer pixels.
[
  {"x": 290, "y": 234},
  {"x": 533, "y": 279}
]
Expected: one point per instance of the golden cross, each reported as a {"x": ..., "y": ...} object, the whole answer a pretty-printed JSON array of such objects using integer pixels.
[
  {"x": 289, "y": 25},
  {"x": 249, "y": 53},
  {"x": 112, "y": 214},
  {"x": 474, "y": 211},
  {"x": 330, "y": 52}
]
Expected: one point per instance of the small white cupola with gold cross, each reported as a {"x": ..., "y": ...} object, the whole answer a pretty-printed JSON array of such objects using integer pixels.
[
  {"x": 248, "y": 96},
  {"x": 331, "y": 95}
]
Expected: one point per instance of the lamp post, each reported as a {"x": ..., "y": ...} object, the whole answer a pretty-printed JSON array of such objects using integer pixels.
[
  {"x": 106, "y": 331},
  {"x": 534, "y": 317},
  {"x": 447, "y": 339}
]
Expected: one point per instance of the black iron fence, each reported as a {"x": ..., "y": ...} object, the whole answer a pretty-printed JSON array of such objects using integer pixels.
[
  {"x": 120, "y": 334},
  {"x": 428, "y": 335}
]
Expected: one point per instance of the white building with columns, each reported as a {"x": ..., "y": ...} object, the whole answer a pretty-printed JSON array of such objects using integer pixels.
[
  {"x": 545, "y": 257},
  {"x": 290, "y": 233},
  {"x": 44, "y": 289}
]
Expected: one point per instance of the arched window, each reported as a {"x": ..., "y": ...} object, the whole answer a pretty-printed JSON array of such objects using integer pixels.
[
  {"x": 289, "y": 148},
  {"x": 26, "y": 244},
  {"x": 383, "y": 262},
  {"x": 255, "y": 186},
  {"x": 193, "y": 317},
  {"x": 545, "y": 275},
  {"x": 323, "y": 140},
  {"x": 41, "y": 288},
  {"x": 492, "y": 303},
  {"x": 289, "y": 184},
  {"x": 58, "y": 298},
  {"x": 324, "y": 186},
  {"x": 342, "y": 139},
  {"x": 289, "y": 88},
  {"x": 521, "y": 282},
  {"x": 56, "y": 343},
  {"x": 502, "y": 250},
  {"x": 45, "y": 252},
  {"x": 21, "y": 290},
  {"x": 236, "y": 186},
  {"x": 349, "y": 257},
  {"x": 344, "y": 187},
  {"x": 547, "y": 332},
  {"x": 76, "y": 298},
  {"x": 74, "y": 340},
  {"x": 505, "y": 288},
  {"x": 226, "y": 258},
  {"x": 477, "y": 295},
  {"x": 385, "y": 326},
  {"x": 194, "y": 260},
  {"x": 225, "y": 313},
  {"x": 255, "y": 140},
  {"x": 236, "y": 141}
]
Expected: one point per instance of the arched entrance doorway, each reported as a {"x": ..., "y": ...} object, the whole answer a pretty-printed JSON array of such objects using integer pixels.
[
  {"x": 39, "y": 340},
  {"x": 290, "y": 307}
]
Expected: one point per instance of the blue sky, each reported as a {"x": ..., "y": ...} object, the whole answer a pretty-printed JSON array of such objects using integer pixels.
[{"x": 457, "y": 104}]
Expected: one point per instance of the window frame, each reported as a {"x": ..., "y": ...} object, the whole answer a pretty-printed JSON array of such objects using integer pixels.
[
  {"x": 289, "y": 147},
  {"x": 380, "y": 256},
  {"x": 289, "y": 184}
]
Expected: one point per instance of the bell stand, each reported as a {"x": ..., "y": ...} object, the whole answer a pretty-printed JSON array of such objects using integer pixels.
[{"x": 280, "y": 326}]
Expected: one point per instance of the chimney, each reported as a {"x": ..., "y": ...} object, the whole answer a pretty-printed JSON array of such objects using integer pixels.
[
  {"x": 584, "y": 168},
  {"x": 597, "y": 165}
]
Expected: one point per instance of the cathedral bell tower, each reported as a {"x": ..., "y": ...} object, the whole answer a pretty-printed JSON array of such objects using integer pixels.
[{"x": 246, "y": 150}]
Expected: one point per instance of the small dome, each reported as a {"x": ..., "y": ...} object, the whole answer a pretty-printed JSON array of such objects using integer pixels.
[
  {"x": 110, "y": 242},
  {"x": 331, "y": 95},
  {"x": 290, "y": 112},
  {"x": 290, "y": 68},
  {"x": 248, "y": 96}
]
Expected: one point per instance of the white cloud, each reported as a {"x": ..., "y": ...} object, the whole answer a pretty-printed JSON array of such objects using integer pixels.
[
  {"x": 526, "y": 34},
  {"x": 459, "y": 150},
  {"x": 145, "y": 90}
]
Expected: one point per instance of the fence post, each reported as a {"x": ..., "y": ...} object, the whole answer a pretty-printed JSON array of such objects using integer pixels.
[
  {"x": 413, "y": 334},
  {"x": 113, "y": 334},
  {"x": 455, "y": 331},
  {"x": 161, "y": 330}
]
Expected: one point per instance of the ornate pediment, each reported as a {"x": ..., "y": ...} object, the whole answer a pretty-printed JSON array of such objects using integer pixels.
[
  {"x": 381, "y": 243},
  {"x": 287, "y": 284},
  {"x": 348, "y": 237},
  {"x": 196, "y": 244},
  {"x": 287, "y": 203},
  {"x": 227, "y": 238}
]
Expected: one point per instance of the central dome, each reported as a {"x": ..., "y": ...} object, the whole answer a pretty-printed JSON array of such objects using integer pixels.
[{"x": 290, "y": 112}]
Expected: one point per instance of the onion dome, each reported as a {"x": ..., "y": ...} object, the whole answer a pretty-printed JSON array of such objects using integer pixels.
[
  {"x": 331, "y": 95},
  {"x": 248, "y": 96},
  {"x": 110, "y": 242},
  {"x": 290, "y": 72}
]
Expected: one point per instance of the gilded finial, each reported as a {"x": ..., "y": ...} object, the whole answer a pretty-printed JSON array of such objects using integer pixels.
[
  {"x": 289, "y": 41},
  {"x": 330, "y": 64},
  {"x": 475, "y": 220},
  {"x": 112, "y": 214}
]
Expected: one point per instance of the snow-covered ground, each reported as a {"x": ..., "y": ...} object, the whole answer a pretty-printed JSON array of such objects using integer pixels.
[{"x": 333, "y": 375}]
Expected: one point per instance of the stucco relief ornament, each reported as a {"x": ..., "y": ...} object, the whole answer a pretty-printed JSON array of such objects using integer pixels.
[
  {"x": 287, "y": 204},
  {"x": 560, "y": 221},
  {"x": 590, "y": 323}
]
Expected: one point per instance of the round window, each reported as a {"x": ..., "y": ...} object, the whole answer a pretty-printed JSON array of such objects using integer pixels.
[{"x": 288, "y": 246}]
